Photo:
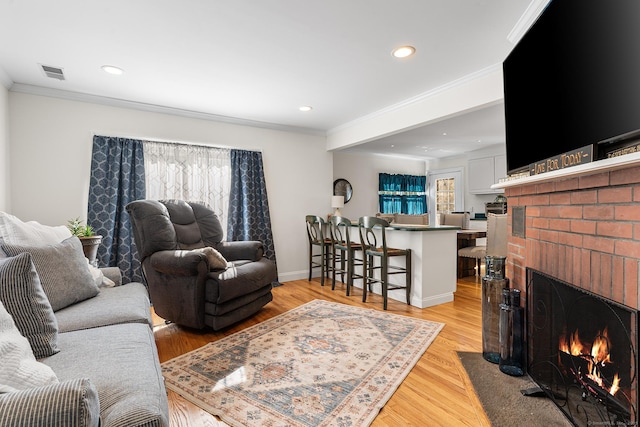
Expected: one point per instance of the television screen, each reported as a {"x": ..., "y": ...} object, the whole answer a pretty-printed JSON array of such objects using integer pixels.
[{"x": 573, "y": 80}]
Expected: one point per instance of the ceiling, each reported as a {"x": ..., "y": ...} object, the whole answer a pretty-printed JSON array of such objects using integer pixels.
[{"x": 257, "y": 61}]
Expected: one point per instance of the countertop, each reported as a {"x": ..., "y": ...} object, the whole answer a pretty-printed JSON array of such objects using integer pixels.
[{"x": 418, "y": 227}]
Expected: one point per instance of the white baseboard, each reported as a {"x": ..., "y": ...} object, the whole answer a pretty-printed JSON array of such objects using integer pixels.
[{"x": 296, "y": 275}]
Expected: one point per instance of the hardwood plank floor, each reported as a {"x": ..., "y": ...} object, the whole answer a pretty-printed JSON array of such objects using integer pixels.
[{"x": 437, "y": 392}]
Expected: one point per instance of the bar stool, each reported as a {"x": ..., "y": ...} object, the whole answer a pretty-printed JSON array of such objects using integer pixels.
[
  {"x": 497, "y": 240},
  {"x": 371, "y": 249},
  {"x": 344, "y": 250},
  {"x": 315, "y": 232}
]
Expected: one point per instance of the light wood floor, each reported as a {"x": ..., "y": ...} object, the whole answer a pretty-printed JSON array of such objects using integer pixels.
[{"x": 437, "y": 391}]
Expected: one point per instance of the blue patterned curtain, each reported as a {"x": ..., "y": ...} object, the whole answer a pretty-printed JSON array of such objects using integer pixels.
[
  {"x": 402, "y": 193},
  {"x": 249, "y": 217},
  {"x": 117, "y": 178}
]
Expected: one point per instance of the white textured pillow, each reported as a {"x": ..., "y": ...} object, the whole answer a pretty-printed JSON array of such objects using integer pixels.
[
  {"x": 100, "y": 279},
  {"x": 216, "y": 260},
  {"x": 16, "y": 232},
  {"x": 19, "y": 369}
]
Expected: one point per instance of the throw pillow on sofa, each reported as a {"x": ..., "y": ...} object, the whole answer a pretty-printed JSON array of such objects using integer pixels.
[
  {"x": 100, "y": 279},
  {"x": 16, "y": 232},
  {"x": 24, "y": 299},
  {"x": 19, "y": 369},
  {"x": 63, "y": 271},
  {"x": 216, "y": 260}
]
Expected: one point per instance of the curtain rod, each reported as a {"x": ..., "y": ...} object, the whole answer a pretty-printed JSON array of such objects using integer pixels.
[{"x": 146, "y": 139}]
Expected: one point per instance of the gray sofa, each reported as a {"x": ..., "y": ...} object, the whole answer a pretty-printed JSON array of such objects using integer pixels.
[{"x": 107, "y": 366}]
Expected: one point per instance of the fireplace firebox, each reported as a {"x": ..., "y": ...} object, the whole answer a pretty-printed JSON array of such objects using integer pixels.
[{"x": 582, "y": 351}]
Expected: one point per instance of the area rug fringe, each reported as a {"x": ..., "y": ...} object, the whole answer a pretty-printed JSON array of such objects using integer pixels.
[{"x": 320, "y": 364}]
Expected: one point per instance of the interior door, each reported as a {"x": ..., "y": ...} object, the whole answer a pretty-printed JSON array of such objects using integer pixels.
[{"x": 446, "y": 192}]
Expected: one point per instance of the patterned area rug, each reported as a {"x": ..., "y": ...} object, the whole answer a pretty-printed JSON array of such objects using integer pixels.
[{"x": 320, "y": 364}]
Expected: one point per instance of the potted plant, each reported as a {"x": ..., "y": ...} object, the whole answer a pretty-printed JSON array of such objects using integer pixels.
[{"x": 90, "y": 241}]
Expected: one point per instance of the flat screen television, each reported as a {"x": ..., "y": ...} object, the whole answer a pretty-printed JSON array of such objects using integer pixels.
[{"x": 573, "y": 80}]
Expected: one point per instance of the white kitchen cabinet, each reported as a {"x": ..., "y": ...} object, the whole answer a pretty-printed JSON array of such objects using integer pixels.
[{"x": 486, "y": 171}]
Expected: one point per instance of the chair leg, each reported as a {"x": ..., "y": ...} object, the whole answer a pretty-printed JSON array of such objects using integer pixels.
[
  {"x": 350, "y": 268},
  {"x": 333, "y": 270},
  {"x": 333, "y": 264},
  {"x": 384, "y": 280},
  {"x": 407, "y": 275},
  {"x": 365, "y": 277},
  {"x": 370, "y": 273},
  {"x": 310, "y": 260},
  {"x": 323, "y": 264}
]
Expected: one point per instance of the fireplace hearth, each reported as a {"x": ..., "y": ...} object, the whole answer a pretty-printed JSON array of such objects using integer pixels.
[{"x": 582, "y": 351}]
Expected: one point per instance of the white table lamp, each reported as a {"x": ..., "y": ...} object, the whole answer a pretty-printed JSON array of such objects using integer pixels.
[{"x": 337, "y": 202}]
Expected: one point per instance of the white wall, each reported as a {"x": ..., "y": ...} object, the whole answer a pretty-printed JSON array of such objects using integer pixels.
[
  {"x": 4, "y": 148},
  {"x": 50, "y": 155},
  {"x": 362, "y": 172}
]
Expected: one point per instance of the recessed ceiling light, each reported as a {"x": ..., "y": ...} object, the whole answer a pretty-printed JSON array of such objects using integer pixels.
[
  {"x": 404, "y": 51},
  {"x": 112, "y": 69},
  {"x": 444, "y": 133},
  {"x": 305, "y": 108}
]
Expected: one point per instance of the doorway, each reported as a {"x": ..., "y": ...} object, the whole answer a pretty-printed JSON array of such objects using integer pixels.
[{"x": 446, "y": 192}]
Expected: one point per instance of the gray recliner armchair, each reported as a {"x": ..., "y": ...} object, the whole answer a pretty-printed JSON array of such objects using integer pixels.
[{"x": 188, "y": 284}]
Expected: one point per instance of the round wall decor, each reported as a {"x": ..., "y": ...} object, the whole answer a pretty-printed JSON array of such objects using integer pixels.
[{"x": 342, "y": 187}]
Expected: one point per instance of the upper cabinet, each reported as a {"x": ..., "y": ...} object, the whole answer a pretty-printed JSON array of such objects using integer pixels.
[{"x": 485, "y": 172}]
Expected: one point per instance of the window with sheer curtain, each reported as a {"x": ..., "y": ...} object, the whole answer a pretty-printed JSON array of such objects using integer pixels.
[
  {"x": 230, "y": 181},
  {"x": 189, "y": 172}
]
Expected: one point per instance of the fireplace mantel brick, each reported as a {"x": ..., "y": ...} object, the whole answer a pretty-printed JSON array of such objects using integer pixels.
[
  {"x": 584, "y": 230},
  {"x": 615, "y": 195}
]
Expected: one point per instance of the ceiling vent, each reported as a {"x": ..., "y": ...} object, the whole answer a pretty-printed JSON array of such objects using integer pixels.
[{"x": 53, "y": 72}]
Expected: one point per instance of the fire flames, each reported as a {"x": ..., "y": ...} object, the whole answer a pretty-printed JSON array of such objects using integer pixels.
[{"x": 597, "y": 357}]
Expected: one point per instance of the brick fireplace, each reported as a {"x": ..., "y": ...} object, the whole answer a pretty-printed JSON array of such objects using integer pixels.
[{"x": 582, "y": 228}]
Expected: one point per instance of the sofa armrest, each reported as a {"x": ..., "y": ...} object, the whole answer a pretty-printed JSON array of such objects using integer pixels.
[
  {"x": 251, "y": 250},
  {"x": 69, "y": 403},
  {"x": 178, "y": 263},
  {"x": 113, "y": 273}
]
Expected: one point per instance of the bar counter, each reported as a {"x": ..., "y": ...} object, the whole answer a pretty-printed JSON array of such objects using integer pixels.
[{"x": 434, "y": 261}]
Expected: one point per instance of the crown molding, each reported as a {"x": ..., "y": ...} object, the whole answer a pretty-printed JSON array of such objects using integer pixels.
[
  {"x": 527, "y": 19},
  {"x": 122, "y": 103},
  {"x": 5, "y": 80}
]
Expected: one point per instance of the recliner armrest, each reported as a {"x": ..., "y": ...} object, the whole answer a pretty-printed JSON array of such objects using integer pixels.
[
  {"x": 251, "y": 250},
  {"x": 178, "y": 262}
]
